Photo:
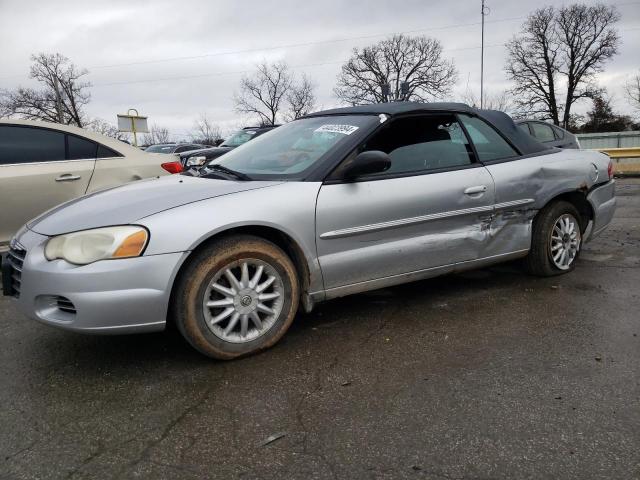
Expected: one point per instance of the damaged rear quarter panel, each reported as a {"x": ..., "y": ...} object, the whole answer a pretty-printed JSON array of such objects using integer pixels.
[{"x": 535, "y": 181}]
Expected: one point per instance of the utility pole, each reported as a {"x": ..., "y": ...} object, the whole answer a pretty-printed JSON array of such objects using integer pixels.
[
  {"x": 485, "y": 11},
  {"x": 56, "y": 87}
]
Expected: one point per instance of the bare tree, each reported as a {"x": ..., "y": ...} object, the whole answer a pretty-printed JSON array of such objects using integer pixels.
[
  {"x": 502, "y": 101},
  {"x": 560, "y": 49},
  {"x": 156, "y": 135},
  {"x": 632, "y": 89},
  {"x": 416, "y": 61},
  {"x": 103, "y": 127},
  {"x": 273, "y": 94},
  {"x": 60, "y": 99},
  {"x": 205, "y": 132},
  {"x": 301, "y": 99},
  {"x": 264, "y": 93}
]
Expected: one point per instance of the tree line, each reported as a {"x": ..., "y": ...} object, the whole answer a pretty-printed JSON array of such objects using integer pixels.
[{"x": 552, "y": 62}]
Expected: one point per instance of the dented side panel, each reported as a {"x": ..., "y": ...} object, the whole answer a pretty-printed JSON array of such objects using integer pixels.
[
  {"x": 383, "y": 232},
  {"x": 539, "y": 179},
  {"x": 603, "y": 203},
  {"x": 375, "y": 229}
]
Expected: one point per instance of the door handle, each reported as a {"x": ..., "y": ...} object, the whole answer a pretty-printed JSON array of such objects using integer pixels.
[
  {"x": 67, "y": 177},
  {"x": 475, "y": 190}
]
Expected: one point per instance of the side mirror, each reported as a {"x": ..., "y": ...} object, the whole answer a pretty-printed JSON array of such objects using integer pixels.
[{"x": 373, "y": 161}]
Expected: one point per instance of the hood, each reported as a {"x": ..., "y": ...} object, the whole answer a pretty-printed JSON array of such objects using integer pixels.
[
  {"x": 212, "y": 152},
  {"x": 131, "y": 202}
]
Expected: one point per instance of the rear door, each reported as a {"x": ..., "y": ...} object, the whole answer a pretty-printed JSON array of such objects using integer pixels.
[
  {"x": 39, "y": 169},
  {"x": 430, "y": 209},
  {"x": 114, "y": 169}
]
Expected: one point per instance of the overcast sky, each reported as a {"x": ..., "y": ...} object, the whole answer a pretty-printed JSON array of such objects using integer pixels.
[{"x": 133, "y": 48}]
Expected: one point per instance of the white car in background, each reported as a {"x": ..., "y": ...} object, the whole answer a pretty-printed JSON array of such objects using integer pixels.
[{"x": 44, "y": 164}]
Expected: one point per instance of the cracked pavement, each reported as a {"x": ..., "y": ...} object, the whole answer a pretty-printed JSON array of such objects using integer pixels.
[{"x": 482, "y": 375}]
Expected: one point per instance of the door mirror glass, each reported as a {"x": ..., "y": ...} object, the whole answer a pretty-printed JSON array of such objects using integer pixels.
[{"x": 373, "y": 161}]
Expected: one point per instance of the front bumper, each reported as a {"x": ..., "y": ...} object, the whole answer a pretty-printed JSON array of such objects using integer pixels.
[
  {"x": 110, "y": 296},
  {"x": 603, "y": 203}
]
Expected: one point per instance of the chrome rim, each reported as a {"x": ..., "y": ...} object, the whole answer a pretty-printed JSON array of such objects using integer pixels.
[
  {"x": 243, "y": 300},
  {"x": 565, "y": 241}
]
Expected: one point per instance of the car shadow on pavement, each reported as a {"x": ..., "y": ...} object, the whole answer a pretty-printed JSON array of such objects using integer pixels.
[
  {"x": 420, "y": 294},
  {"x": 169, "y": 350}
]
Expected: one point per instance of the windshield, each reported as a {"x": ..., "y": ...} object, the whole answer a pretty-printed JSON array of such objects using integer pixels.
[
  {"x": 238, "y": 138},
  {"x": 160, "y": 149},
  {"x": 292, "y": 148}
]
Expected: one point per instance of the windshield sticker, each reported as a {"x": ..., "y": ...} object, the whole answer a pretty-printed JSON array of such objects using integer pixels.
[{"x": 344, "y": 129}]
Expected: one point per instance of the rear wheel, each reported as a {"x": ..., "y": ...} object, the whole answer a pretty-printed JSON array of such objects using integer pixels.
[
  {"x": 236, "y": 297},
  {"x": 556, "y": 240}
]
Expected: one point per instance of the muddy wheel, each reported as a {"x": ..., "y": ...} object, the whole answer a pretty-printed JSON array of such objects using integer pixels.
[
  {"x": 556, "y": 240},
  {"x": 236, "y": 297}
]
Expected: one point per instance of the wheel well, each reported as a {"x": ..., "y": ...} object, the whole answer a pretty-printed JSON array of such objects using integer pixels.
[
  {"x": 578, "y": 199},
  {"x": 278, "y": 237}
]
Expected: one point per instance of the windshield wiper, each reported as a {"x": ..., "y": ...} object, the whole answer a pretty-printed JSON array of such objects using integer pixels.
[{"x": 228, "y": 171}]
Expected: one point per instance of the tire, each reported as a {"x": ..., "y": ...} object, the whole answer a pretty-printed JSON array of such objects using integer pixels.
[
  {"x": 210, "y": 328},
  {"x": 540, "y": 260}
]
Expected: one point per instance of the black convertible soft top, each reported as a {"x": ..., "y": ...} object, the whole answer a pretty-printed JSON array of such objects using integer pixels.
[{"x": 500, "y": 120}]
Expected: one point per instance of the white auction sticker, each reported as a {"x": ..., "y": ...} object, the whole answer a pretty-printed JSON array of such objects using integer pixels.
[{"x": 344, "y": 129}]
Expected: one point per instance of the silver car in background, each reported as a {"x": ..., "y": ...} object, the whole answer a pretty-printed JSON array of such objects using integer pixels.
[
  {"x": 335, "y": 203},
  {"x": 549, "y": 134}
]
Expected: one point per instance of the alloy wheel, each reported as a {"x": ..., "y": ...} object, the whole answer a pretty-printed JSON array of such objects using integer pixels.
[
  {"x": 243, "y": 300},
  {"x": 565, "y": 241}
]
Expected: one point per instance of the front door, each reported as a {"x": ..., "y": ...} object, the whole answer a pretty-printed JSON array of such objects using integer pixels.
[
  {"x": 430, "y": 209},
  {"x": 518, "y": 182}
]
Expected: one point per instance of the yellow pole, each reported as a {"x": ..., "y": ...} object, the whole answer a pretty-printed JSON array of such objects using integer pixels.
[
  {"x": 133, "y": 124},
  {"x": 133, "y": 129}
]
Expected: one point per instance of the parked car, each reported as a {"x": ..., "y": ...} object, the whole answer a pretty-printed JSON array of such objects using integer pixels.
[
  {"x": 196, "y": 159},
  {"x": 174, "y": 147},
  {"x": 335, "y": 203},
  {"x": 43, "y": 164},
  {"x": 548, "y": 134}
]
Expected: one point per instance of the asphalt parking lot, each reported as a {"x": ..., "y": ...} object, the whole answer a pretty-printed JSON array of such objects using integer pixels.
[{"x": 487, "y": 374}]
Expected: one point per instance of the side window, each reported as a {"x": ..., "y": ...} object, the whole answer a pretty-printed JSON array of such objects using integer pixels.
[
  {"x": 80, "y": 148},
  {"x": 559, "y": 132},
  {"x": 542, "y": 132},
  {"x": 525, "y": 128},
  {"x": 105, "y": 152},
  {"x": 30, "y": 144},
  {"x": 422, "y": 143},
  {"x": 489, "y": 144}
]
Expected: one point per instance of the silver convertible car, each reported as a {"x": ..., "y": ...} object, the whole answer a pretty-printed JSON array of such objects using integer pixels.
[{"x": 335, "y": 203}]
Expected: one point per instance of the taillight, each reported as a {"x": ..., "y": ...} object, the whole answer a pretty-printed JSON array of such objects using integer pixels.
[
  {"x": 172, "y": 167},
  {"x": 610, "y": 169}
]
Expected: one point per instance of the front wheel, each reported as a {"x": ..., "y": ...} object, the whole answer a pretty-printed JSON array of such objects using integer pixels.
[
  {"x": 556, "y": 240},
  {"x": 236, "y": 297}
]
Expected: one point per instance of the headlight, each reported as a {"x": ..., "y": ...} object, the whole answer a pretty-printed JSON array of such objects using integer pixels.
[
  {"x": 196, "y": 161},
  {"x": 98, "y": 244}
]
